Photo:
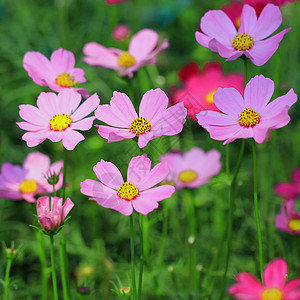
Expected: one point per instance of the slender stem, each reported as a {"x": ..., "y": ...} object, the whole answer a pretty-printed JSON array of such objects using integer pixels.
[
  {"x": 7, "y": 281},
  {"x": 132, "y": 259},
  {"x": 245, "y": 71},
  {"x": 141, "y": 257},
  {"x": 227, "y": 160},
  {"x": 63, "y": 192},
  {"x": 261, "y": 263},
  {"x": 55, "y": 295}
]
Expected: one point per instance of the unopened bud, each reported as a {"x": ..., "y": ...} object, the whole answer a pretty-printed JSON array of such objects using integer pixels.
[
  {"x": 199, "y": 268},
  {"x": 170, "y": 269},
  {"x": 52, "y": 177},
  {"x": 11, "y": 253},
  {"x": 191, "y": 240},
  {"x": 84, "y": 290}
]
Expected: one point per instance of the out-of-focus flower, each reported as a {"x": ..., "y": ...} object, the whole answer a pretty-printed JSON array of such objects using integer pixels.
[
  {"x": 59, "y": 73},
  {"x": 125, "y": 291},
  {"x": 233, "y": 10},
  {"x": 192, "y": 168},
  {"x": 26, "y": 182},
  {"x": 154, "y": 119},
  {"x": 188, "y": 70},
  {"x": 138, "y": 192},
  {"x": 273, "y": 288},
  {"x": 141, "y": 51},
  {"x": 288, "y": 220},
  {"x": 120, "y": 32},
  {"x": 289, "y": 190},
  {"x": 51, "y": 219},
  {"x": 220, "y": 35},
  {"x": 248, "y": 117},
  {"x": 199, "y": 89},
  {"x": 57, "y": 117},
  {"x": 112, "y": 2}
]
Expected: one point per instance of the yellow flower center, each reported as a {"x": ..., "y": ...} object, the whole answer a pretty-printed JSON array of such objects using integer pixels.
[
  {"x": 65, "y": 80},
  {"x": 272, "y": 294},
  {"x": 248, "y": 117},
  {"x": 128, "y": 191},
  {"x": 294, "y": 224},
  {"x": 242, "y": 41},
  {"x": 28, "y": 186},
  {"x": 209, "y": 97},
  {"x": 126, "y": 60},
  {"x": 140, "y": 126},
  {"x": 60, "y": 122},
  {"x": 188, "y": 176}
]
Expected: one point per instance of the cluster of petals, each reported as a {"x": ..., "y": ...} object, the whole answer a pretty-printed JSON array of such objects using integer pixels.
[
  {"x": 274, "y": 287},
  {"x": 58, "y": 73},
  {"x": 199, "y": 87},
  {"x": 289, "y": 190},
  {"x": 52, "y": 218},
  {"x": 141, "y": 51},
  {"x": 57, "y": 117},
  {"x": 154, "y": 119},
  {"x": 219, "y": 34},
  {"x": 26, "y": 182},
  {"x": 138, "y": 192},
  {"x": 288, "y": 220},
  {"x": 192, "y": 168},
  {"x": 248, "y": 117}
]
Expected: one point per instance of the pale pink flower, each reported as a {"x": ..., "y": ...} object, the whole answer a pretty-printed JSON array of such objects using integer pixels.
[
  {"x": 51, "y": 219},
  {"x": 120, "y": 32},
  {"x": 248, "y": 117},
  {"x": 220, "y": 35},
  {"x": 59, "y": 73},
  {"x": 26, "y": 182},
  {"x": 154, "y": 119},
  {"x": 288, "y": 220},
  {"x": 141, "y": 51},
  {"x": 274, "y": 287},
  {"x": 138, "y": 192},
  {"x": 57, "y": 117},
  {"x": 192, "y": 168}
]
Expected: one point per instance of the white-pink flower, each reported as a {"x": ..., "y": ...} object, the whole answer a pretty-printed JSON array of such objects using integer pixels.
[
  {"x": 141, "y": 51},
  {"x": 57, "y": 118},
  {"x": 153, "y": 121},
  {"x": 138, "y": 192},
  {"x": 58, "y": 73}
]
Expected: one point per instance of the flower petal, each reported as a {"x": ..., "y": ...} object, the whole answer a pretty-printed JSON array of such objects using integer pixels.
[
  {"x": 158, "y": 193},
  {"x": 33, "y": 115},
  {"x": 209, "y": 117},
  {"x": 71, "y": 138},
  {"x": 37, "y": 165},
  {"x": 248, "y": 20},
  {"x": 62, "y": 61},
  {"x": 275, "y": 273},
  {"x": 138, "y": 168},
  {"x": 34, "y": 138},
  {"x": 88, "y": 106},
  {"x": 113, "y": 134}
]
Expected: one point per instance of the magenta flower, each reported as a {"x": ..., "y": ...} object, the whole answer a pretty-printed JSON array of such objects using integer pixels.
[
  {"x": 120, "y": 32},
  {"x": 141, "y": 51},
  {"x": 137, "y": 192},
  {"x": 273, "y": 288},
  {"x": 154, "y": 119},
  {"x": 51, "y": 219},
  {"x": 289, "y": 219},
  {"x": 220, "y": 35},
  {"x": 112, "y": 2},
  {"x": 58, "y": 73},
  {"x": 250, "y": 117},
  {"x": 192, "y": 168},
  {"x": 26, "y": 182},
  {"x": 57, "y": 117},
  {"x": 289, "y": 190}
]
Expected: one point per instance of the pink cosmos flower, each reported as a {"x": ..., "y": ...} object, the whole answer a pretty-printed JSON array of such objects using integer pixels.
[
  {"x": 120, "y": 32},
  {"x": 188, "y": 70},
  {"x": 220, "y": 35},
  {"x": 51, "y": 219},
  {"x": 154, "y": 119},
  {"x": 274, "y": 286},
  {"x": 192, "y": 168},
  {"x": 141, "y": 51},
  {"x": 233, "y": 10},
  {"x": 289, "y": 190},
  {"x": 137, "y": 192},
  {"x": 250, "y": 117},
  {"x": 197, "y": 93},
  {"x": 57, "y": 117},
  {"x": 26, "y": 182},
  {"x": 58, "y": 73},
  {"x": 289, "y": 219}
]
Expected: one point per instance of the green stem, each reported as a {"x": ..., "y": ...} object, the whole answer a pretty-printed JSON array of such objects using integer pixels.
[
  {"x": 132, "y": 259},
  {"x": 7, "y": 281},
  {"x": 261, "y": 263},
  {"x": 63, "y": 191},
  {"x": 55, "y": 295},
  {"x": 245, "y": 71},
  {"x": 141, "y": 257}
]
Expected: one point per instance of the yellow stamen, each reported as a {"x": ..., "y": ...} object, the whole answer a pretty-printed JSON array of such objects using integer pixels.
[
  {"x": 28, "y": 186},
  {"x": 272, "y": 294},
  {"x": 128, "y": 191},
  {"x": 188, "y": 176},
  {"x": 65, "y": 80},
  {"x": 209, "y": 97},
  {"x": 60, "y": 122},
  {"x": 249, "y": 117},
  {"x": 294, "y": 224},
  {"x": 140, "y": 126},
  {"x": 126, "y": 60},
  {"x": 242, "y": 41}
]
